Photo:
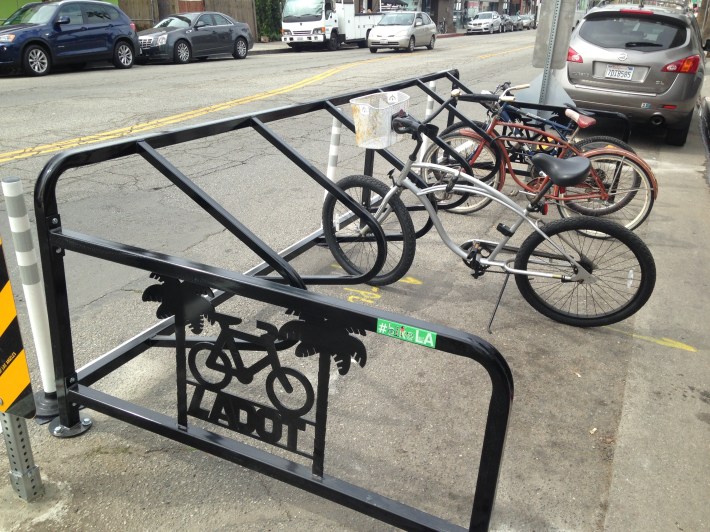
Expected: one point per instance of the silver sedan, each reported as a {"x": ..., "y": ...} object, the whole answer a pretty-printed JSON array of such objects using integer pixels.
[{"x": 403, "y": 30}]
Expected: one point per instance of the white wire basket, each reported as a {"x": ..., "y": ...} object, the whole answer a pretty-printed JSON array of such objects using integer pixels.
[{"x": 372, "y": 115}]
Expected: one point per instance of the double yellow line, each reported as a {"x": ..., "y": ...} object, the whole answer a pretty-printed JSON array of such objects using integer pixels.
[{"x": 135, "y": 129}]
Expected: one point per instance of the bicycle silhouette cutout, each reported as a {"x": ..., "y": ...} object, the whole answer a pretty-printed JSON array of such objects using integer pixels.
[{"x": 223, "y": 368}]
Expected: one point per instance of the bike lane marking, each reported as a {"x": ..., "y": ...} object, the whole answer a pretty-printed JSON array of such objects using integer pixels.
[{"x": 175, "y": 119}]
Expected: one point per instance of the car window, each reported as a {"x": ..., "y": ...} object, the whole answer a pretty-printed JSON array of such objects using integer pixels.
[
  {"x": 427, "y": 19},
  {"x": 73, "y": 11},
  {"x": 205, "y": 20},
  {"x": 100, "y": 14},
  {"x": 219, "y": 20},
  {"x": 644, "y": 34},
  {"x": 32, "y": 14},
  {"x": 482, "y": 16},
  {"x": 174, "y": 22}
]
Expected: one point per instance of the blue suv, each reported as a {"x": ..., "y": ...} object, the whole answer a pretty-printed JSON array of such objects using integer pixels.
[{"x": 71, "y": 32}]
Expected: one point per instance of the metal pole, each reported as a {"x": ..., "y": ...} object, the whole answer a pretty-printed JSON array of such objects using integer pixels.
[
  {"x": 46, "y": 402},
  {"x": 24, "y": 474},
  {"x": 550, "y": 51}
]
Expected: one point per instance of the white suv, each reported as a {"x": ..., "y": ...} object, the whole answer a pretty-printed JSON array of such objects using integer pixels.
[{"x": 484, "y": 22}]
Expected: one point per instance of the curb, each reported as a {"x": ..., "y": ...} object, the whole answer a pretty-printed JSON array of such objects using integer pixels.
[{"x": 277, "y": 47}]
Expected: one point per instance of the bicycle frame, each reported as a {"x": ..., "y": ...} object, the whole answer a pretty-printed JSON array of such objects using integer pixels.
[
  {"x": 560, "y": 194},
  {"x": 475, "y": 186},
  {"x": 245, "y": 374}
]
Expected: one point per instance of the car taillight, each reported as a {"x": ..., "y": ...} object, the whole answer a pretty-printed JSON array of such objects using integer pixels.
[
  {"x": 689, "y": 65},
  {"x": 573, "y": 56},
  {"x": 133, "y": 26}
]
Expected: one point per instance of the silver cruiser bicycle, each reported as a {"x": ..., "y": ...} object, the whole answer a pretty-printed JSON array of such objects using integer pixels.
[{"x": 582, "y": 271}]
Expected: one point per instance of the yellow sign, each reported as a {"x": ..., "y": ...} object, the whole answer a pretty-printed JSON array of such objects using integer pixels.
[{"x": 15, "y": 389}]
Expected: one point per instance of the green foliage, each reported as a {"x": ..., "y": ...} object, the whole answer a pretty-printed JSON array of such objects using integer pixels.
[{"x": 268, "y": 18}]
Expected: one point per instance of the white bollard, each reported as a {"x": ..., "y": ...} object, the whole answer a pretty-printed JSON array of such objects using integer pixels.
[
  {"x": 33, "y": 288},
  {"x": 429, "y": 111}
]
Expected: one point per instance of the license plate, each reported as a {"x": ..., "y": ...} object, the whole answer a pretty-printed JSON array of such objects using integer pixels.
[
  {"x": 300, "y": 38},
  {"x": 622, "y": 72}
]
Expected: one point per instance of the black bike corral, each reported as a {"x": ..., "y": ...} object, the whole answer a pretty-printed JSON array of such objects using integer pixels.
[{"x": 285, "y": 356}]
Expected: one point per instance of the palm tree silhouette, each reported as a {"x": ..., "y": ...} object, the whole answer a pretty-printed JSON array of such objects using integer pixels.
[
  {"x": 175, "y": 295},
  {"x": 322, "y": 336}
]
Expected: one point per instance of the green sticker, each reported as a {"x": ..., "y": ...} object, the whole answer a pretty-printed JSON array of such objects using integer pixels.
[{"x": 406, "y": 333}]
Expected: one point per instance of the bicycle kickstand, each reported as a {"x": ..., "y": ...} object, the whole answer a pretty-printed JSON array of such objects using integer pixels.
[{"x": 500, "y": 296}]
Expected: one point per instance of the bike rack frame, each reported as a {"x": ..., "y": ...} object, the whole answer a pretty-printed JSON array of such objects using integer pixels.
[{"x": 192, "y": 291}]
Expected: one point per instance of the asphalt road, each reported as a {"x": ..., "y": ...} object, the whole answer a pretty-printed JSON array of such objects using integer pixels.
[{"x": 609, "y": 428}]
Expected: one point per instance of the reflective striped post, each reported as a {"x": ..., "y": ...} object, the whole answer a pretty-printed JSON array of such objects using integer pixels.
[
  {"x": 334, "y": 151},
  {"x": 33, "y": 288}
]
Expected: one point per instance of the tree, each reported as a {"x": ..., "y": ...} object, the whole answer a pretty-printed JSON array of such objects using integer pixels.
[{"x": 268, "y": 19}]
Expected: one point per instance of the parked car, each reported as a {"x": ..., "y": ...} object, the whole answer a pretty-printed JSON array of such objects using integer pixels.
[
  {"x": 180, "y": 38},
  {"x": 517, "y": 22},
  {"x": 528, "y": 22},
  {"x": 484, "y": 22},
  {"x": 506, "y": 23},
  {"x": 646, "y": 62},
  {"x": 402, "y": 30},
  {"x": 41, "y": 35}
]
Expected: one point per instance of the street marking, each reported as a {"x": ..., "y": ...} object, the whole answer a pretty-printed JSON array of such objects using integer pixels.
[
  {"x": 410, "y": 280},
  {"x": 666, "y": 342},
  {"x": 175, "y": 119}
]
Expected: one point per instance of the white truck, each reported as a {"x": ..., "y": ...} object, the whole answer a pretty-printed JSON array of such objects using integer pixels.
[{"x": 327, "y": 23}]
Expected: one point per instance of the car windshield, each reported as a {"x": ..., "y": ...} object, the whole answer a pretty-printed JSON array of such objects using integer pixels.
[
  {"x": 646, "y": 34},
  {"x": 175, "y": 21},
  {"x": 302, "y": 8},
  {"x": 33, "y": 14},
  {"x": 397, "y": 19},
  {"x": 482, "y": 16}
]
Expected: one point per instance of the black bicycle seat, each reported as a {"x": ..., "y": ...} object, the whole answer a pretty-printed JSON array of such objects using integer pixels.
[{"x": 563, "y": 172}]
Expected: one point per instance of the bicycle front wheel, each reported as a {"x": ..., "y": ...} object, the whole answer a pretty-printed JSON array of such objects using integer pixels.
[
  {"x": 622, "y": 267},
  {"x": 483, "y": 161},
  {"x": 287, "y": 398},
  {"x": 355, "y": 248},
  {"x": 618, "y": 188}
]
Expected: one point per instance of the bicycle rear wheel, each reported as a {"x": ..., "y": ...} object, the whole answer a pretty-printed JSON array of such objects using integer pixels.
[
  {"x": 484, "y": 162},
  {"x": 356, "y": 250},
  {"x": 623, "y": 191},
  {"x": 623, "y": 269},
  {"x": 602, "y": 141}
]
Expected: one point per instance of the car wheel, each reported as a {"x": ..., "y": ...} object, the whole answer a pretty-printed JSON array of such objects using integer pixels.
[
  {"x": 333, "y": 43},
  {"x": 410, "y": 46},
  {"x": 373, "y": 50},
  {"x": 123, "y": 55},
  {"x": 182, "y": 53},
  {"x": 432, "y": 42},
  {"x": 490, "y": 29},
  {"x": 678, "y": 136},
  {"x": 240, "y": 49},
  {"x": 36, "y": 61}
]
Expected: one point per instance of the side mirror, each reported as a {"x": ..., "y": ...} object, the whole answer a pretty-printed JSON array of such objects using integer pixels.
[
  {"x": 200, "y": 24},
  {"x": 63, "y": 20}
]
